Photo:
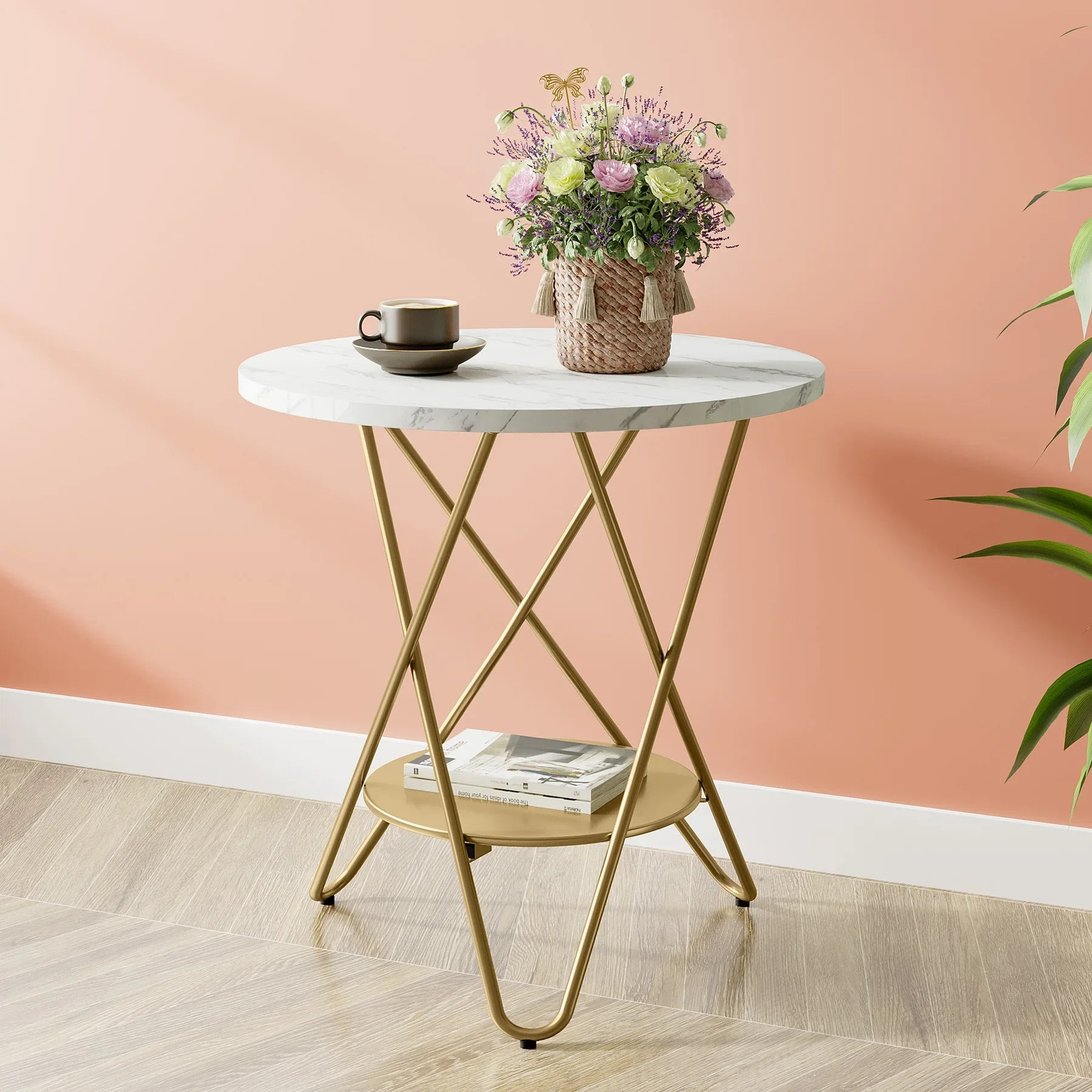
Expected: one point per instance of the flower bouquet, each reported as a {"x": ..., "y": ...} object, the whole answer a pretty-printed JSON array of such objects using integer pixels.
[{"x": 613, "y": 196}]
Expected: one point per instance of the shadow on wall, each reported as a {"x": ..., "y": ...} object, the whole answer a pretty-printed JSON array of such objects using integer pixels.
[
  {"x": 258, "y": 113},
  {"x": 43, "y": 649},
  {"x": 898, "y": 476},
  {"x": 319, "y": 502}
]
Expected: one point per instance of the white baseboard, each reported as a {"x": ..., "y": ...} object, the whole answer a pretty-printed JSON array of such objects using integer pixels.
[{"x": 958, "y": 851}]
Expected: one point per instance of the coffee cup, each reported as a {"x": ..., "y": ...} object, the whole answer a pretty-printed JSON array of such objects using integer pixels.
[{"x": 414, "y": 323}]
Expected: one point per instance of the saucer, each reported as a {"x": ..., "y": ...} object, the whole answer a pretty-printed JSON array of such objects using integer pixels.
[{"x": 420, "y": 361}]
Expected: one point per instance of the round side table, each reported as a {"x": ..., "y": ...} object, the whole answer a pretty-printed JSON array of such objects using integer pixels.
[{"x": 516, "y": 385}]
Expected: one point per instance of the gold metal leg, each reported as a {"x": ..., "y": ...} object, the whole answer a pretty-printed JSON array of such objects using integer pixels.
[
  {"x": 410, "y": 658},
  {"x": 416, "y": 623},
  {"x": 744, "y": 888}
]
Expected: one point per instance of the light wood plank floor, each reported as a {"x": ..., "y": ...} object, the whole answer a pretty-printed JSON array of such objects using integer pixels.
[{"x": 157, "y": 934}]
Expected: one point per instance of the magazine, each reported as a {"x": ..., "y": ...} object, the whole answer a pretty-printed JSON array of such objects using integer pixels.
[
  {"x": 518, "y": 799},
  {"x": 559, "y": 768}
]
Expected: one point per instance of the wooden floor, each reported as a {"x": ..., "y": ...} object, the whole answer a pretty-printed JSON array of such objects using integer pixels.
[{"x": 158, "y": 935}]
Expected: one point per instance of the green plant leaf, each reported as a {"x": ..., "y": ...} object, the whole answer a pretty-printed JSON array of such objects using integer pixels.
[
  {"x": 1002, "y": 500},
  {"x": 1061, "y": 428},
  {"x": 1079, "y": 719},
  {"x": 1082, "y": 183},
  {"x": 1071, "y": 368},
  {"x": 1054, "y": 297},
  {"x": 1080, "y": 272},
  {"x": 1008, "y": 500},
  {"x": 1080, "y": 418},
  {"x": 1067, "y": 505},
  {"x": 1084, "y": 776},
  {"x": 1058, "y": 553},
  {"x": 1065, "y": 689}
]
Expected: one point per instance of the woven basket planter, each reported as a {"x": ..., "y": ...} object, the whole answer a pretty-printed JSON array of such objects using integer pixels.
[{"x": 616, "y": 341}]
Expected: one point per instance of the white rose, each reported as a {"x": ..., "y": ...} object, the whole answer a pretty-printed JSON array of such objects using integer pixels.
[
  {"x": 593, "y": 115},
  {"x": 570, "y": 143}
]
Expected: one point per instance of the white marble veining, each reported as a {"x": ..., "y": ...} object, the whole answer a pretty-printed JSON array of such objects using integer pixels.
[{"x": 517, "y": 385}]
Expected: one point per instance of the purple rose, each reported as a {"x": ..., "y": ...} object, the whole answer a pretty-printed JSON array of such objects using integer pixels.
[
  {"x": 717, "y": 186},
  {"x": 524, "y": 187},
  {"x": 638, "y": 132},
  {"x": 614, "y": 175}
]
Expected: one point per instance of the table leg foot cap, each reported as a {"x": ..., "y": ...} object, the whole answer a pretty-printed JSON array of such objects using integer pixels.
[
  {"x": 743, "y": 902},
  {"x": 328, "y": 901},
  {"x": 528, "y": 1044}
]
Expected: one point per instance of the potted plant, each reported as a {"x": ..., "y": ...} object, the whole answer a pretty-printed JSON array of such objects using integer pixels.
[
  {"x": 613, "y": 196},
  {"x": 1071, "y": 692}
]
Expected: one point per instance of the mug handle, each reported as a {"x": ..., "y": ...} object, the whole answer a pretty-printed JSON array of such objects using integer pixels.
[{"x": 360, "y": 326}]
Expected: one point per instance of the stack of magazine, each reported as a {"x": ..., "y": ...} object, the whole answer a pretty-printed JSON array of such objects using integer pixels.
[{"x": 527, "y": 772}]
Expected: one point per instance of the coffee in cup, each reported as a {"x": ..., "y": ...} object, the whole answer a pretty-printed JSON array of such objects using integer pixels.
[{"x": 414, "y": 323}]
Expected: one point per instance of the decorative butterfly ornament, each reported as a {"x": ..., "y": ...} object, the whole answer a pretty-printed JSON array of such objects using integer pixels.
[{"x": 567, "y": 88}]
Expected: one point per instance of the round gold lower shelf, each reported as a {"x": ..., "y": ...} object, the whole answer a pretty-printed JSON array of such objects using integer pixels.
[{"x": 670, "y": 793}]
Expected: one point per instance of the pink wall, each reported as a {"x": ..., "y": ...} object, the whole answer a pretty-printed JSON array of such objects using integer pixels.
[{"x": 185, "y": 185}]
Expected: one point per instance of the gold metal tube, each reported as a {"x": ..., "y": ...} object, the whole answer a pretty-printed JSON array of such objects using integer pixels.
[
  {"x": 401, "y": 665},
  {"x": 743, "y": 887},
  {"x": 511, "y": 590},
  {"x": 397, "y": 573},
  {"x": 664, "y": 682},
  {"x": 530, "y": 597}
]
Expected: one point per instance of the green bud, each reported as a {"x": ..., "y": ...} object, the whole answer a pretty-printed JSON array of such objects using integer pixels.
[
  {"x": 720, "y": 129},
  {"x": 635, "y": 247},
  {"x": 503, "y": 120},
  {"x": 505, "y": 226},
  {"x": 627, "y": 80},
  {"x": 604, "y": 85},
  {"x": 701, "y": 138},
  {"x": 729, "y": 217}
]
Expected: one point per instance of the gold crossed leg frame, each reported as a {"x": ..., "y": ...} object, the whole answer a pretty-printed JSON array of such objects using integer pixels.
[{"x": 665, "y": 660}]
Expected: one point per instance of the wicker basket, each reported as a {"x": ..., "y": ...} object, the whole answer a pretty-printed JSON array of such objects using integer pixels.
[{"x": 617, "y": 342}]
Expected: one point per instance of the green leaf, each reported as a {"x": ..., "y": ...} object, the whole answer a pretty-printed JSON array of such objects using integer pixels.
[
  {"x": 1079, "y": 719},
  {"x": 1061, "y": 504},
  {"x": 1066, "y": 505},
  {"x": 1080, "y": 418},
  {"x": 1061, "y": 428},
  {"x": 1071, "y": 369},
  {"x": 1084, "y": 776},
  {"x": 1080, "y": 272},
  {"x": 1054, "y": 297},
  {"x": 1058, "y": 553},
  {"x": 1065, "y": 689},
  {"x": 1082, "y": 183}
]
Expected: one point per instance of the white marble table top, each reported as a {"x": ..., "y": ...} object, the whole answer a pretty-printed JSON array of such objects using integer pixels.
[{"x": 515, "y": 384}]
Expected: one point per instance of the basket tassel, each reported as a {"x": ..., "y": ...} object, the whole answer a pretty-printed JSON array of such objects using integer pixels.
[
  {"x": 544, "y": 297},
  {"x": 585, "y": 302},
  {"x": 652, "y": 307},
  {"x": 684, "y": 301}
]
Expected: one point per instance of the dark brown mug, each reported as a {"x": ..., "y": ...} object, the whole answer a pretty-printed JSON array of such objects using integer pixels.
[{"x": 414, "y": 323}]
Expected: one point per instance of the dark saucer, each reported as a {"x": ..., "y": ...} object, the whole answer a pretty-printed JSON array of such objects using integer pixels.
[{"x": 419, "y": 361}]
